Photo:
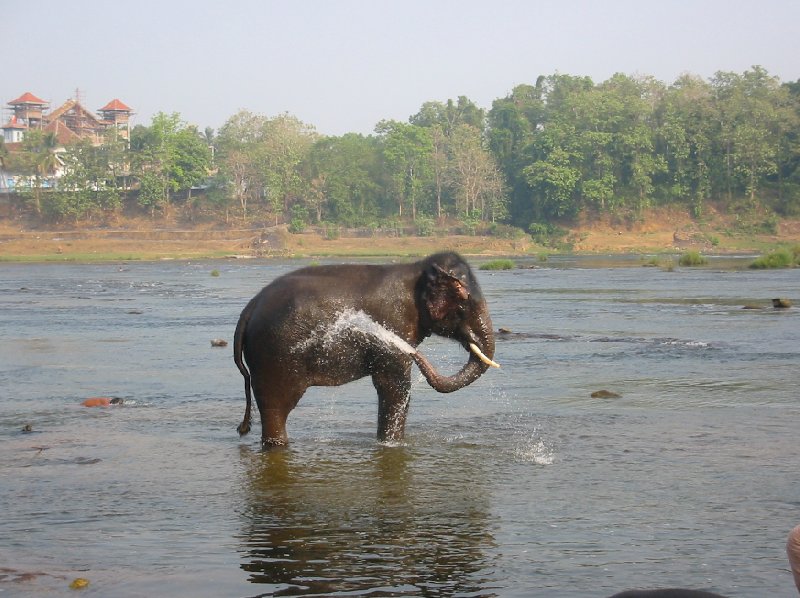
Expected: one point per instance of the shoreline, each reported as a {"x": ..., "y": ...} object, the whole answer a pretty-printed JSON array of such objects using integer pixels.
[{"x": 141, "y": 241}]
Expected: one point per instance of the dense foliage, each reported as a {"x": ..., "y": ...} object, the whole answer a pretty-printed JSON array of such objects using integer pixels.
[{"x": 548, "y": 151}]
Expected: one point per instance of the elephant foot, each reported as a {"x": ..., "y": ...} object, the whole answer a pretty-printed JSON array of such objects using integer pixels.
[
  {"x": 394, "y": 435},
  {"x": 268, "y": 443}
]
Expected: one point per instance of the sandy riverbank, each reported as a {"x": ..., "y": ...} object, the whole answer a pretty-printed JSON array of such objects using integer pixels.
[{"x": 663, "y": 231}]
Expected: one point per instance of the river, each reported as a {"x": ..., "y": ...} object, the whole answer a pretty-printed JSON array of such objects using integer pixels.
[{"x": 521, "y": 484}]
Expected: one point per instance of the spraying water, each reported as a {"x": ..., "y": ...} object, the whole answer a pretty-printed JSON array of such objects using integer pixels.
[{"x": 351, "y": 320}]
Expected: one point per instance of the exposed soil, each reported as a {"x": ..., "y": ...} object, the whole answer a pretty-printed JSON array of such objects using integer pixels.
[{"x": 659, "y": 231}]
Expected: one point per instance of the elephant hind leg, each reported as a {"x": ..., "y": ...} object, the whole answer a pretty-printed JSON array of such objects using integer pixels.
[
  {"x": 274, "y": 407},
  {"x": 273, "y": 428}
]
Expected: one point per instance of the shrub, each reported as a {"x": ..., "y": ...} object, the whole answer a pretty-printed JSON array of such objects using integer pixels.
[
  {"x": 692, "y": 258},
  {"x": 549, "y": 235},
  {"x": 781, "y": 258},
  {"x": 425, "y": 225},
  {"x": 299, "y": 219},
  {"x": 330, "y": 231},
  {"x": 498, "y": 265},
  {"x": 505, "y": 231}
]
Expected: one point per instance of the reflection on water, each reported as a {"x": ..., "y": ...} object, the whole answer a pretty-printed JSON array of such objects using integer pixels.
[{"x": 381, "y": 523}]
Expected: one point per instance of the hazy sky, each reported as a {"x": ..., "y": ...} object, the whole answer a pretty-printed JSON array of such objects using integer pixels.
[{"x": 344, "y": 65}]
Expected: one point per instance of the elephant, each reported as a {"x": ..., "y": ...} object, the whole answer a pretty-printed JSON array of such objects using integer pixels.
[{"x": 284, "y": 335}]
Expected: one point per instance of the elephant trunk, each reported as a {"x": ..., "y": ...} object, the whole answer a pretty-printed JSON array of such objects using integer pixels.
[{"x": 481, "y": 347}]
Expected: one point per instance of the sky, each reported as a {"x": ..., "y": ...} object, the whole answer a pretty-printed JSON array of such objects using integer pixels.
[{"x": 344, "y": 65}]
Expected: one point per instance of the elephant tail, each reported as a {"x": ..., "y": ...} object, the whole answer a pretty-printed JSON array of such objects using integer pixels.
[{"x": 238, "y": 347}]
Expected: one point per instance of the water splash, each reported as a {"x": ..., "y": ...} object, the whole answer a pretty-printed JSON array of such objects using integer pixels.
[
  {"x": 351, "y": 321},
  {"x": 534, "y": 450}
]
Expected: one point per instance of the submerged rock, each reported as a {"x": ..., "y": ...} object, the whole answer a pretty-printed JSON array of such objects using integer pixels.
[
  {"x": 781, "y": 303},
  {"x": 605, "y": 394}
]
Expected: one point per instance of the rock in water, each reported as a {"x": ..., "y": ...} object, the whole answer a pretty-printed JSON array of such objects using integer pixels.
[
  {"x": 605, "y": 394},
  {"x": 781, "y": 303}
]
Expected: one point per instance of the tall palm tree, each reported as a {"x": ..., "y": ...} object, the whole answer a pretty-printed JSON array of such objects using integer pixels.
[{"x": 41, "y": 148}]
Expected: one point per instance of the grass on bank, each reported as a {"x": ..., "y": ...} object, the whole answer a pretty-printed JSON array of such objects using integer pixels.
[
  {"x": 692, "y": 258},
  {"x": 780, "y": 258},
  {"x": 503, "y": 264}
]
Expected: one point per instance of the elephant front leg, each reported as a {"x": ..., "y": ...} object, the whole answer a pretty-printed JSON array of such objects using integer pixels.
[{"x": 394, "y": 395}]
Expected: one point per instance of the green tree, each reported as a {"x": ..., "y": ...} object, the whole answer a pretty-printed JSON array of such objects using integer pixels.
[
  {"x": 512, "y": 124},
  {"x": 343, "y": 176},
  {"x": 761, "y": 121},
  {"x": 168, "y": 156},
  {"x": 153, "y": 153},
  {"x": 41, "y": 161},
  {"x": 685, "y": 141},
  {"x": 406, "y": 151},
  {"x": 87, "y": 185},
  {"x": 239, "y": 156},
  {"x": 555, "y": 181},
  {"x": 449, "y": 115},
  {"x": 285, "y": 145},
  {"x": 262, "y": 158}
]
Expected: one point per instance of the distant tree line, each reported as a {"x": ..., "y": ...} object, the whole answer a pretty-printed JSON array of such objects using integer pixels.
[{"x": 546, "y": 152}]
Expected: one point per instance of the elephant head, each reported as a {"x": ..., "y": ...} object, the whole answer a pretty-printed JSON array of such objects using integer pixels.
[{"x": 451, "y": 304}]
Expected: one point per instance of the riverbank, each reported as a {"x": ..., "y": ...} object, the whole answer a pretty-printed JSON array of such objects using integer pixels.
[{"x": 659, "y": 231}]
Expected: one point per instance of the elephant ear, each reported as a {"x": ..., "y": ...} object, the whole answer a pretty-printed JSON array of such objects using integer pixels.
[{"x": 446, "y": 293}]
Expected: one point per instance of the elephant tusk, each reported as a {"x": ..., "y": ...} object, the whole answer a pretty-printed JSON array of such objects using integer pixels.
[{"x": 483, "y": 357}]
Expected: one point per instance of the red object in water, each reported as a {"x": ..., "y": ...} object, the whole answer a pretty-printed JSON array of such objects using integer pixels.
[{"x": 101, "y": 401}]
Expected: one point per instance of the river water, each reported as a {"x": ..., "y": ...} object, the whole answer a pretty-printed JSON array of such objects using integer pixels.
[{"x": 519, "y": 485}]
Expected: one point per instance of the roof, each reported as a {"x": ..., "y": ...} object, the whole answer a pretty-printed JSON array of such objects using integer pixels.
[
  {"x": 71, "y": 106},
  {"x": 28, "y": 98},
  {"x": 115, "y": 105},
  {"x": 63, "y": 133},
  {"x": 14, "y": 124}
]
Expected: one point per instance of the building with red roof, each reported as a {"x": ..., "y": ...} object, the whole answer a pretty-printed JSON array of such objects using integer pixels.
[{"x": 70, "y": 121}]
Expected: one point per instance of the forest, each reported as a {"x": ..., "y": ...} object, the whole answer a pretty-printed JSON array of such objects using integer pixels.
[{"x": 547, "y": 152}]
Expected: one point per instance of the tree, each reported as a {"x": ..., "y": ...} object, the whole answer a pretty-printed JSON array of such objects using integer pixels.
[
  {"x": 192, "y": 159},
  {"x": 41, "y": 161},
  {"x": 756, "y": 106},
  {"x": 87, "y": 185},
  {"x": 167, "y": 156},
  {"x": 285, "y": 144},
  {"x": 474, "y": 176},
  {"x": 685, "y": 141},
  {"x": 406, "y": 150},
  {"x": 555, "y": 180},
  {"x": 449, "y": 115},
  {"x": 238, "y": 146},
  {"x": 262, "y": 157},
  {"x": 343, "y": 175}
]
